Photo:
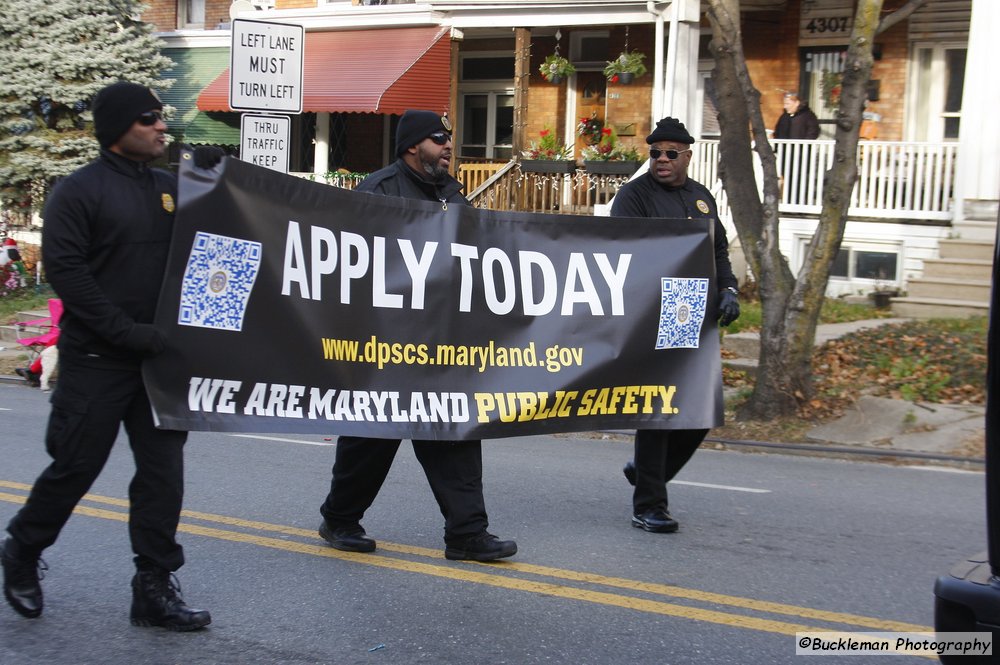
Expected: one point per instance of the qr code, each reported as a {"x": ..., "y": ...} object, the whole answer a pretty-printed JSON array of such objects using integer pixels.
[
  {"x": 682, "y": 311},
  {"x": 217, "y": 282}
]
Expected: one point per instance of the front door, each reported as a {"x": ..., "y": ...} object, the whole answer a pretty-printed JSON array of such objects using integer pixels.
[{"x": 591, "y": 91}]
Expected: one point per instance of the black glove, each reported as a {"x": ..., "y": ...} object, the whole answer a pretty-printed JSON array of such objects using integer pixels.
[
  {"x": 729, "y": 307},
  {"x": 145, "y": 339},
  {"x": 207, "y": 156}
]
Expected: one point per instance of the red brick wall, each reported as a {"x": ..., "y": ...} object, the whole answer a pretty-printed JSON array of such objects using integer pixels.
[
  {"x": 546, "y": 102},
  {"x": 216, "y": 11},
  {"x": 771, "y": 45},
  {"x": 890, "y": 71},
  {"x": 163, "y": 13},
  {"x": 770, "y": 42},
  {"x": 628, "y": 105},
  {"x": 625, "y": 104}
]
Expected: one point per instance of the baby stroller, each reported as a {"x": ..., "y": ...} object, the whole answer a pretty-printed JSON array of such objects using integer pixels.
[{"x": 41, "y": 346}]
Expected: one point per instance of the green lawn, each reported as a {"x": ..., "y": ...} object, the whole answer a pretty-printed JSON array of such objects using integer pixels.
[
  {"x": 26, "y": 300},
  {"x": 835, "y": 310}
]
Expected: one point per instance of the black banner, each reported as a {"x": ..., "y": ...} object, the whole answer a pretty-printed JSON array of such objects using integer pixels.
[{"x": 292, "y": 306}]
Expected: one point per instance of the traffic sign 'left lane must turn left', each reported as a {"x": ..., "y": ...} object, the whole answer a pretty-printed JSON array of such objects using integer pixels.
[{"x": 266, "y": 66}]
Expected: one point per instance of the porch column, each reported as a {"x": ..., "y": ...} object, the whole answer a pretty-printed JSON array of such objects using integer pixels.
[
  {"x": 522, "y": 72},
  {"x": 321, "y": 155},
  {"x": 977, "y": 187},
  {"x": 681, "y": 76}
]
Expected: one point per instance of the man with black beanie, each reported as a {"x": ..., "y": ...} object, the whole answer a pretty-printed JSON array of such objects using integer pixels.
[
  {"x": 454, "y": 469},
  {"x": 666, "y": 192},
  {"x": 104, "y": 243}
]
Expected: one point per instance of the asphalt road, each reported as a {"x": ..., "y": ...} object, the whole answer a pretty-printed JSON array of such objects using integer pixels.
[{"x": 769, "y": 545}]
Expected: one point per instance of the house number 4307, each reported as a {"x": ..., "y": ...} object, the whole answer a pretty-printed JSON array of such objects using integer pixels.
[{"x": 828, "y": 24}]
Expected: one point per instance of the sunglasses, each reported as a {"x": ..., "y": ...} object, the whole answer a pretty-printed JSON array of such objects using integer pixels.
[
  {"x": 440, "y": 138},
  {"x": 149, "y": 118},
  {"x": 671, "y": 154}
]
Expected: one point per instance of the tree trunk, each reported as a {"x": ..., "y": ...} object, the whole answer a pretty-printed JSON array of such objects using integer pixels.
[{"x": 790, "y": 305}]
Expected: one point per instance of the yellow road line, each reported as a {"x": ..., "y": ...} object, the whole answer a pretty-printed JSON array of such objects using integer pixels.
[
  {"x": 652, "y": 606},
  {"x": 468, "y": 575}
]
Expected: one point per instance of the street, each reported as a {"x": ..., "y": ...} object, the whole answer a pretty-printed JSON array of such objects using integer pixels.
[{"x": 769, "y": 545}]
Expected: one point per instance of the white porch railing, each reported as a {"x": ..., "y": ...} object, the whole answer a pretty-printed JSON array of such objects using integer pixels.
[
  {"x": 343, "y": 180},
  {"x": 897, "y": 180}
]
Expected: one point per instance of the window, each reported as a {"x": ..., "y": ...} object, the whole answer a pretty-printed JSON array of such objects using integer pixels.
[
  {"x": 866, "y": 263},
  {"x": 488, "y": 68},
  {"x": 191, "y": 14},
  {"x": 486, "y": 106},
  {"x": 487, "y": 125},
  {"x": 708, "y": 127},
  {"x": 937, "y": 77},
  {"x": 589, "y": 50}
]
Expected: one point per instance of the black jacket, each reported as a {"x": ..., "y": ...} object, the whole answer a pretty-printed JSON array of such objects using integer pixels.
[
  {"x": 645, "y": 197},
  {"x": 104, "y": 245},
  {"x": 803, "y": 124},
  {"x": 398, "y": 179}
]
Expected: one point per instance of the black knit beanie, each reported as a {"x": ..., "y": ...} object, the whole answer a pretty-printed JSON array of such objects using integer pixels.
[
  {"x": 670, "y": 129},
  {"x": 117, "y": 106},
  {"x": 415, "y": 126}
]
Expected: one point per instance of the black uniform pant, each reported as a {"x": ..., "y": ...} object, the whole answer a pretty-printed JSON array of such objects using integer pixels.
[
  {"x": 89, "y": 404},
  {"x": 659, "y": 455},
  {"x": 454, "y": 470}
]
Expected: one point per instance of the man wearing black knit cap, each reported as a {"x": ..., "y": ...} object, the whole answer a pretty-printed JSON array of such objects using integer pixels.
[
  {"x": 454, "y": 469},
  {"x": 665, "y": 191},
  {"x": 104, "y": 243}
]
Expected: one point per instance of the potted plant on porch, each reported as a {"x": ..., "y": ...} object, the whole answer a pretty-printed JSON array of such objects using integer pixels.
[
  {"x": 547, "y": 155},
  {"x": 625, "y": 67},
  {"x": 883, "y": 293},
  {"x": 609, "y": 156},
  {"x": 556, "y": 68}
]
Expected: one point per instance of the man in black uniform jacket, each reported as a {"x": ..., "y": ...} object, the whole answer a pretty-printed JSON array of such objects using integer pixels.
[
  {"x": 454, "y": 469},
  {"x": 666, "y": 191},
  {"x": 104, "y": 243}
]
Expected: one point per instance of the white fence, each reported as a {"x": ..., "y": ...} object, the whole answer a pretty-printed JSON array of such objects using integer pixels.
[{"x": 897, "y": 180}]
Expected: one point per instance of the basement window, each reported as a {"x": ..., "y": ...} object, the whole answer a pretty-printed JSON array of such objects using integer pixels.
[{"x": 866, "y": 263}]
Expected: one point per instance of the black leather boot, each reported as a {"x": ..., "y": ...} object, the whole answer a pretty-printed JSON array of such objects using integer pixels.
[
  {"x": 21, "y": 575},
  {"x": 156, "y": 601}
]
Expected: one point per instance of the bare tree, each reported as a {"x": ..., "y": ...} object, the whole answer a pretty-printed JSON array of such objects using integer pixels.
[{"x": 790, "y": 303}]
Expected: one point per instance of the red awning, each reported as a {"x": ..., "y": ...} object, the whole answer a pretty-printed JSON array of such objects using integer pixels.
[{"x": 365, "y": 71}]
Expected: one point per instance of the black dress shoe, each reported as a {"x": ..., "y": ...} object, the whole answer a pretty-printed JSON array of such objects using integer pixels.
[
  {"x": 655, "y": 520},
  {"x": 347, "y": 539},
  {"x": 20, "y": 581},
  {"x": 629, "y": 471},
  {"x": 156, "y": 601},
  {"x": 482, "y": 547}
]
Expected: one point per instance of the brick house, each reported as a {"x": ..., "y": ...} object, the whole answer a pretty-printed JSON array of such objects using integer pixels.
[{"x": 930, "y": 170}]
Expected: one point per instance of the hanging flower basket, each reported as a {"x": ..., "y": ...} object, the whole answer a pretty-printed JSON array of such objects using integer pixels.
[
  {"x": 556, "y": 68},
  {"x": 625, "y": 67}
]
